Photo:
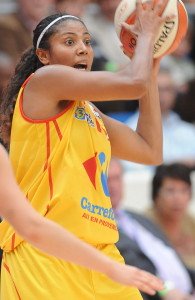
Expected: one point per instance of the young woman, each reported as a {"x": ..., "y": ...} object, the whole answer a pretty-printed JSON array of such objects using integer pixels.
[{"x": 60, "y": 149}]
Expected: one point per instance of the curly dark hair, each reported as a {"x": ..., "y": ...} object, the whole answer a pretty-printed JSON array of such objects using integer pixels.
[
  {"x": 27, "y": 65},
  {"x": 178, "y": 171}
]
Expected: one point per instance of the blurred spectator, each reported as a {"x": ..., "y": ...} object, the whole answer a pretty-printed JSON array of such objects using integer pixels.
[
  {"x": 75, "y": 8},
  {"x": 171, "y": 195},
  {"x": 16, "y": 28},
  {"x": 7, "y": 6},
  {"x": 179, "y": 62},
  {"x": 6, "y": 69},
  {"x": 185, "y": 103},
  {"x": 143, "y": 245},
  {"x": 178, "y": 135},
  {"x": 100, "y": 19}
]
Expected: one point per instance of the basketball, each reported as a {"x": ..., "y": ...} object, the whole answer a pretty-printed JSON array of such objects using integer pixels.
[{"x": 169, "y": 36}]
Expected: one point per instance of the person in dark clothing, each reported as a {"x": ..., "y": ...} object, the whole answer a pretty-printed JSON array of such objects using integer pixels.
[{"x": 144, "y": 245}]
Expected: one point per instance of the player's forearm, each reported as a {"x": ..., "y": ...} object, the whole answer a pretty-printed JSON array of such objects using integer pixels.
[
  {"x": 137, "y": 73},
  {"x": 149, "y": 123},
  {"x": 142, "y": 60},
  {"x": 56, "y": 241}
]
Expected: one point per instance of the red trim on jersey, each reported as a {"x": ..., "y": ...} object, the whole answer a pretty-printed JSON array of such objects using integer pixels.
[
  {"x": 47, "y": 145},
  {"x": 98, "y": 125},
  {"x": 13, "y": 241},
  {"x": 47, "y": 165},
  {"x": 69, "y": 104},
  {"x": 27, "y": 80},
  {"x": 8, "y": 270},
  {"x": 57, "y": 129},
  {"x": 50, "y": 182},
  {"x": 47, "y": 209}
]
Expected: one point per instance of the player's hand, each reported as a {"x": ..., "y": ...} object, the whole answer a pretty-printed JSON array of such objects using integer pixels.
[
  {"x": 148, "y": 18},
  {"x": 129, "y": 55},
  {"x": 135, "y": 277},
  {"x": 156, "y": 67}
]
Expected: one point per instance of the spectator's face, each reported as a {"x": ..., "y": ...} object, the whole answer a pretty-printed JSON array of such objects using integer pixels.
[
  {"x": 167, "y": 92},
  {"x": 115, "y": 183},
  {"x": 75, "y": 8},
  {"x": 36, "y": 9},
  {"x": 173, "y": 199},
  {"x": 108, "y": 7}
]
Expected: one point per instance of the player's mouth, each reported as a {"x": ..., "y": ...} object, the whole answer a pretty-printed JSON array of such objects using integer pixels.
[{"x": 81, "y": 66}]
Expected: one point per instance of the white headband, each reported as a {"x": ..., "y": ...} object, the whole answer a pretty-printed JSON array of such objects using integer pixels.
[{"x": 48, "y": 26}]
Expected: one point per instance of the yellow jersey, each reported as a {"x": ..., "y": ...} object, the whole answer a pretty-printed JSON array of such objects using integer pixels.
[{"x": 61, "y": 166}]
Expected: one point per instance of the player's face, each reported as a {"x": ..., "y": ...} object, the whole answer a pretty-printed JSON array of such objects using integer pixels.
[{"x": 71, "y": 46}]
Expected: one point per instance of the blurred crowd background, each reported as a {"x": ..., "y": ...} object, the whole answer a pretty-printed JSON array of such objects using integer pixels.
[{"x": 174, "y": 208}]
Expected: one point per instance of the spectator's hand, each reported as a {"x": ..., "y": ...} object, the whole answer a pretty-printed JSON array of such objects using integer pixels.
[{"x": 135, "y": 277}]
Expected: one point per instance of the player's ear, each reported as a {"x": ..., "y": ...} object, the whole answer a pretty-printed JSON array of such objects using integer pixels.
[{"x": 43, "y": 56}]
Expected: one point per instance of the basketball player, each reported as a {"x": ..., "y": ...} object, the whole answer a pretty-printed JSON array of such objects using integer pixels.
[{"x": 60, "y": 149}]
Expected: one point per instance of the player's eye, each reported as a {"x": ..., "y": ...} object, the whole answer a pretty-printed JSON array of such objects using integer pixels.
[
  {"x": 88, "y": 42},
  {"x": 69, "y": 42}
]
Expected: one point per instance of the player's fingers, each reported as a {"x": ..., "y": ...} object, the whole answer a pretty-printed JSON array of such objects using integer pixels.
[
  {"x": 143, "y": 287},
  {"x": 152, "y": 281},
  {"x": 126, "y": 26},
  {"x": 149, "y": 5},
  {"x": 159, "y": 6},
  {"x": 130, "y": 28},
  {"x": 169, "y": 18},
  {"x": 139, "y": 6}
]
